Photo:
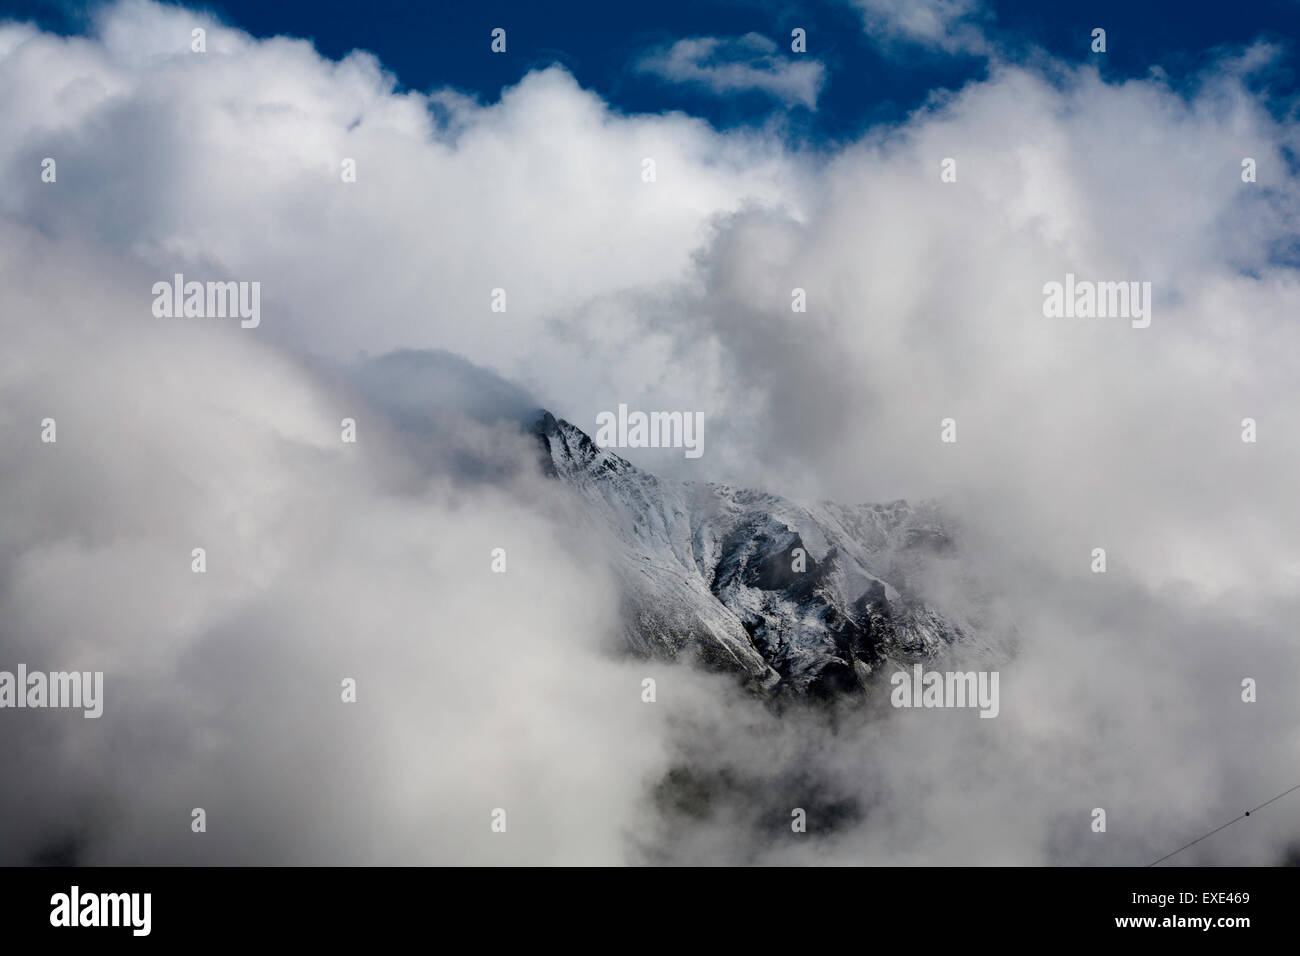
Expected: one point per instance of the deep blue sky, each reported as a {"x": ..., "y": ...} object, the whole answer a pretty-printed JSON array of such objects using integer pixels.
[{"x": 432, "y": 44}]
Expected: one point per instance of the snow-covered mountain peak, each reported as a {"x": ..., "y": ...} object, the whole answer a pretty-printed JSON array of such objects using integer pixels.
[{"x": 801, "y": 600}]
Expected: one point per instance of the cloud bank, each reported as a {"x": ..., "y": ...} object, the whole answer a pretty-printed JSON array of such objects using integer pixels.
[{"x": 479, "y": 690}]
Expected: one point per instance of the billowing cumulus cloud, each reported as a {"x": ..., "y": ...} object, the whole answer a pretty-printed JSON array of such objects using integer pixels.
[{"x": 478, "y": 690}]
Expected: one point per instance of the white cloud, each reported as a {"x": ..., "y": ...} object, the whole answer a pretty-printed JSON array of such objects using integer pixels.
[
  {"x": 953, "y": 26},
  {"x": 924, "y": 301},
  {"x": 727, "y": 66}
]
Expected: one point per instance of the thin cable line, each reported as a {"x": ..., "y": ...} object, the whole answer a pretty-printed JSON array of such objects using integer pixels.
[{"x": 1225, "y": 826}]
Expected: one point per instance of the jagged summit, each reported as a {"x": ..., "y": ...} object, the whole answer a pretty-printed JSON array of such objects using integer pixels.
[
  {"x": 801, "y": 600},
  {"x": 569, "y": 448}
]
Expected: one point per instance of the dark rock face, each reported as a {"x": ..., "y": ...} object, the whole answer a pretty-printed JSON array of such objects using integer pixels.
[{"x": 797, "y": 599}]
